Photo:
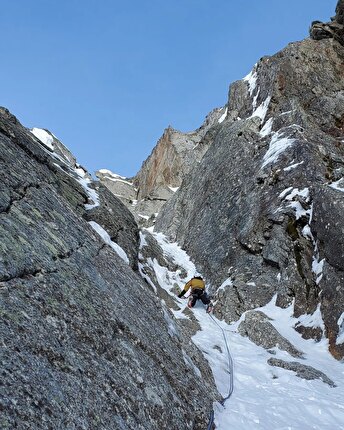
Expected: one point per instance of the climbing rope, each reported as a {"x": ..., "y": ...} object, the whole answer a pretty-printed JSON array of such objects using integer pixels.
[{"x": 231, "y": 375}]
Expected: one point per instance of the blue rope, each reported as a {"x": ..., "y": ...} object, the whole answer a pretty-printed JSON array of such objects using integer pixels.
[
  {"x": 211, "y": 420},
  {"x": 231, "y": 376}
]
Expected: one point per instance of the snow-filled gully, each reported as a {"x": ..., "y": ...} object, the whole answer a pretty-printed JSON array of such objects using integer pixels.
[{"x": 265, "y": 397}]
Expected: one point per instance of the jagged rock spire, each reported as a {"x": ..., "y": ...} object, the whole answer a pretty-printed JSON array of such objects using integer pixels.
[
  {"x": 340, "y": 12},
  {"x": 334, "y": 29}
]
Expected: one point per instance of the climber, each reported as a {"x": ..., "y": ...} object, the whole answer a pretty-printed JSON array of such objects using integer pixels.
[{"x": 197, "y": 286}]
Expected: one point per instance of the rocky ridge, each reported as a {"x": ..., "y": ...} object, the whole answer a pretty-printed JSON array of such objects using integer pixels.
[{"x": 175, "y": 154}]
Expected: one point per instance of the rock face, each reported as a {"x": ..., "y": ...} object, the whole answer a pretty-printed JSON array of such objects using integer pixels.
[
  {"x": 333, "y": 29},
  {"x": 84, "y": 342},
  {"x": 175, "y": 155},
  {"x": 265, "y": 205}
]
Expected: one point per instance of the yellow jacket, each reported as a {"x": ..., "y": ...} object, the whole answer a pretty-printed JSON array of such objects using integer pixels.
[{"x": 193, "y": 284}]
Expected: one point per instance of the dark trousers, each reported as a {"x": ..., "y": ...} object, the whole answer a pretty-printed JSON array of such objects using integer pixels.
[{"x": 198, "y": 294}]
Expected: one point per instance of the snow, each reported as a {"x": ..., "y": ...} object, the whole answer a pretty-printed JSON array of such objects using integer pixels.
[
  {"x": 313, "y": 320},
  {"x": 266, "y": 130},
  {"x": 146, "y": 217},
  {"x": 264, "y": 397},
  {"x": 109, "y": 173},
  {"x": 262, "y": 109},
  {"x": 223, "y": 116},
  {"x": 317, "y": 268},
  {"x": 114, "y": 177},
  {"x": 118, "y": 180},
  {"x": 340, "y": 323},
  {"x": 306, "y": 232},
  {"x": 174, "y": 189},
  {"x": 85, "y": 182},
  {"x": 296, "y": 192},
  {"x": 336, "y": 186},
  {"x": 46, "y": 138},
  {"x": 92, "y": 194},
  {"x": 285, "y": 192},
  {"x": 292, "y": 166},
  {"x": 107, "y": 239},
  {"x": 251, "y": 79},
  {"x": 255, "y": 99},
  {"x": 290, "y": 193},
  {"x": 227, "y": 283},
  {"x": 189, "y": 363},
  {"x": 277, "y": 146},
  {"x": 171, "y": 327}
]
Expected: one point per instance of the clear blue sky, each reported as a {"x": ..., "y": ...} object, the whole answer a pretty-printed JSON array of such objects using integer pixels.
[{"x": 108, "y": 76}]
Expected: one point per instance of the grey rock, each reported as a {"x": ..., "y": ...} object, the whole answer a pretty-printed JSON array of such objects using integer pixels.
[
  {"x": 340, "y": 12},
  {"x": 84, "y": 342},
  {"x": 257, "y": 327},
  {"x": 302, "y": 371},
  {"x": 229, "y": 213},
  {"x": 118, "y": 221},
  {"x": 121, "y": 187},
  {"x": 333, "y": 29},
  {"x": 240, "y": 297}
]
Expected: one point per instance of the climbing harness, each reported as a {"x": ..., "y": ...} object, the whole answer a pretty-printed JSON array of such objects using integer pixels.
[{"x": 231, "y": 376}]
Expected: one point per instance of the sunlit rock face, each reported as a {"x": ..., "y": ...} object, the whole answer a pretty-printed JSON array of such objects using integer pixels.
[
  {"x": 265, "y": 205},
  {"x": 175, "y": 154}
]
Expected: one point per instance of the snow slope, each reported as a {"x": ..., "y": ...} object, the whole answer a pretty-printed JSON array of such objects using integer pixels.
[{"x": 264, "y": 397}]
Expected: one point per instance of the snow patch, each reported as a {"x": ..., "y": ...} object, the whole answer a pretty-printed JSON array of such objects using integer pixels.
[
  {"x": 107, "y": 239},
  {"x": 262, "y": 109},
  {"x": 292, "y": 166},
  {"x": 266, "y": 130},
  {"x": 91, "y": 193},
  {"x": 336, "y": 186},
  {"x": 277, "y": 146},
  {"x": 340, "y": 323},
  {"x": 46, "y": 138},
  {"x": 223, "y": 116},
  {"x": 314, "y": 320},
  {"x": 251, "y": 79},
  {"x": 317, "y": 268},
  {"x": 111, "y": 174},
  {"x": 296, "y": 192},
  {"x": 171, "y": 327},
  {"x": 227, "y": 283}
]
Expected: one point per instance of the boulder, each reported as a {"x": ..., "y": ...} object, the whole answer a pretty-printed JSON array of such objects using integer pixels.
[
  {"x": 257, "y": 327},
  {"x": 302, "y": 371}
]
